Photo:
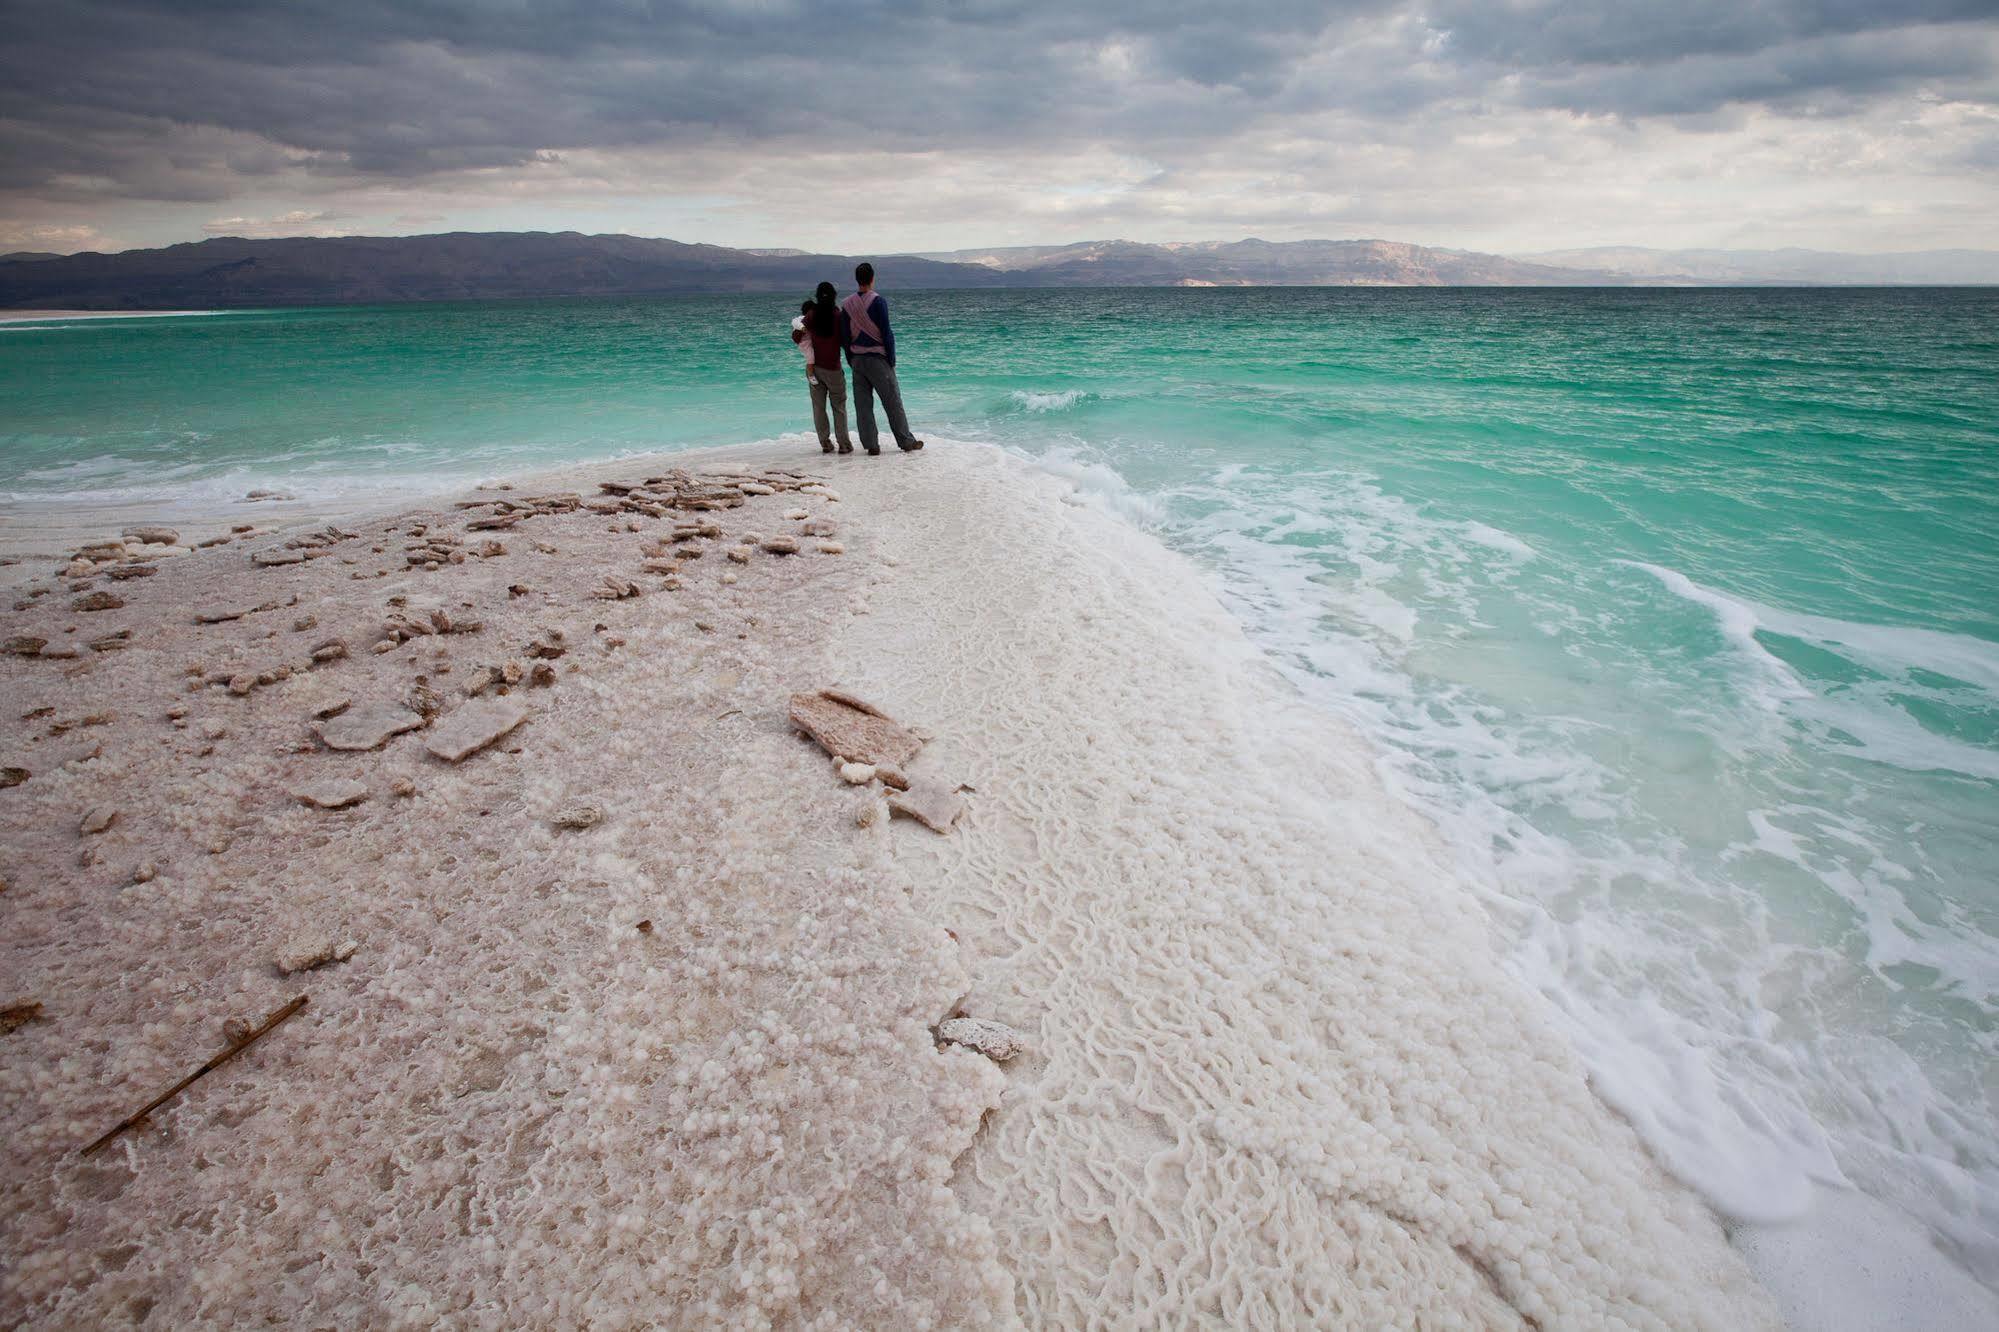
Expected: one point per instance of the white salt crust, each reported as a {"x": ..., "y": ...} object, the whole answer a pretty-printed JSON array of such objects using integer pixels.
[
  {"x": 511, "y": 1107},
  {"x": 1274, "y": 1077}
]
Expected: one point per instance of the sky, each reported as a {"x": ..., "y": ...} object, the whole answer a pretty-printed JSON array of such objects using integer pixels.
[{"x": 1505, "y": 125}]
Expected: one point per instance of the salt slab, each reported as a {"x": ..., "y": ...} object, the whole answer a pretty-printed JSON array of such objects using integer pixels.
[
  {"x": 366, "y": 725},
  {"x": 332, "y": 793},
  {"x": 473, "y": 725},
  {"x": 930, "y": 801},
  {"x": 994, "y": 1040},
  {"x": 852, "y": 729},
  {"x": 312, "y": 949}
]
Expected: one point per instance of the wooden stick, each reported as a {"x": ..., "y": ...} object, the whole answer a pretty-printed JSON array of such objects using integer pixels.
[{"x": 242, "y": 1043}]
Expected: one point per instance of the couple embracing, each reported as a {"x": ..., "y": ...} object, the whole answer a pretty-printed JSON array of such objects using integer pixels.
[{"x": 857, "y": 326}]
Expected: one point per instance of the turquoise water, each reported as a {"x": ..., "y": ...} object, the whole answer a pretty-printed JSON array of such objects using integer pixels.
[{"x": 1677, "y": 610}]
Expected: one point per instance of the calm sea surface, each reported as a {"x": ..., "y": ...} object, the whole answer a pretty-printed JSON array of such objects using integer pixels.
[{"x": 1677, "y": 610}]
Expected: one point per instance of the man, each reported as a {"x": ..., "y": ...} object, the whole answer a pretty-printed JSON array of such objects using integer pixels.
[{"x": 870, "y": 345}]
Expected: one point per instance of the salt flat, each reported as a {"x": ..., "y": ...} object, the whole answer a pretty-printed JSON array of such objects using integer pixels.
[{"x": 637, "y": 1025}]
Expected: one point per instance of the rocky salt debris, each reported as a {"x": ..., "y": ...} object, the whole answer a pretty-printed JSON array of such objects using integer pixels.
[
  {"x": 485, "y": 677},
  {"x": 224, "y": 614},
  {"x": 615, "y": 589},
  {"x": 857, "y": 774},
  {"x": 830, "y": 548},
  {"x": 579, "y": 815},
  {"x": 313, "y": 949},
  {"x": 122, "y": 572},
  {"x": 23, "y": 645},
  {"x": 994, "y": 1040},
  {"x": 405, "y": 625},
  {"x": 472, "y": 726},
  {"x": 331, "y": 793},
  {"x": 98, "y": 601},
  {"x": 18, "y": 1014},
  {"x": 366, "y": 726},
  {"x": 779, "y": 545},
  {"x": 931, "y": 801},
  {"x": 13, "y": 776},
  {"x": 96, "y": 820},
  {"x": 152, "y": 536},
  {"x": 271, "y": 559},
  {"x": 847, "y": 727}
]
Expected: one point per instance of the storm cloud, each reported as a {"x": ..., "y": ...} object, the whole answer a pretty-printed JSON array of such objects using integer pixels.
[{"x": 129, "y": 115}]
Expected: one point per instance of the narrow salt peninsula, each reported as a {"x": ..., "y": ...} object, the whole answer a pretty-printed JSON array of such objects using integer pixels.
[{"x": 627, "y": 1005}]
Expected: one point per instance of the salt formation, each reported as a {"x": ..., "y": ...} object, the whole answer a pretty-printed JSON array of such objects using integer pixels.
[
  {"x": 332, "y": 793},
  {"x": 931, "y": 801},
  {"x": 473, "y": 725},
  {"x": 675, "y": 1071},
  {"x": 994, "y": 1040},
  {"x": 1276, "y": 1077},
  {"x": 849, "y": 728},
  {"x": 307, "y": 951}
]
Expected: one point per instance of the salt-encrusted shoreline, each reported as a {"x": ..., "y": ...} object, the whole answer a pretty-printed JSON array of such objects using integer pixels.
[{"x": 1272, "y": 1075}]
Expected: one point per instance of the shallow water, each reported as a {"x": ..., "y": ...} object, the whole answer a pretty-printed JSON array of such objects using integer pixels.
[{"x": 1676, "y": 610}]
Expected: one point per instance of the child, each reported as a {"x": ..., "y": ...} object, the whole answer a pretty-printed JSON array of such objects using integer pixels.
[{"x": 798, "y": 336}]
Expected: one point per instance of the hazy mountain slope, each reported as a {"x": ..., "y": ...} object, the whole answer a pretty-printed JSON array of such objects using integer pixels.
[
  {"x": 233, "y": 272},
  {"x": 1266, "y": 263},
  {"x": 1790, "y": 265}
]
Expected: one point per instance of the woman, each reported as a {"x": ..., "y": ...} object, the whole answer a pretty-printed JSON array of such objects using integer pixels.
[{"x": 817, "y": 333}]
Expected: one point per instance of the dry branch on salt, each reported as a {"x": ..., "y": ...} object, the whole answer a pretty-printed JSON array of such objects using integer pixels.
[{"x": 235, "y": 1048}]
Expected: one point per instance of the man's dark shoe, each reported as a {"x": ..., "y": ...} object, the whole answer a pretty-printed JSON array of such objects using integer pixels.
[
  {"x": 846, "y": 448},
  {"x": 911, "y": 447},
  {"x": 825, "y": 448},
  {"x": 874, "y": 453}
]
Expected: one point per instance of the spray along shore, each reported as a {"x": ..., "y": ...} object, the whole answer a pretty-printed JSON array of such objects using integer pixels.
[{"x": 627, "y": 1006}]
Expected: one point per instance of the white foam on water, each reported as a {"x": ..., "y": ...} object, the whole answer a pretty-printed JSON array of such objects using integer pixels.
[
  {"x": 1867, "y": 720},
  {"x": 1103, "y": 486},
  {"x": 1734, "y": 995},
  {"x": 1060, "y": 400}
]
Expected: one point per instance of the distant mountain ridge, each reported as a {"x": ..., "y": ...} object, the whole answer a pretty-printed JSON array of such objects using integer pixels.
[
  {"x": 1261, "y": 263},
  {"x": 232, "y": 272},
  {"x": 1816, "y": 267}
]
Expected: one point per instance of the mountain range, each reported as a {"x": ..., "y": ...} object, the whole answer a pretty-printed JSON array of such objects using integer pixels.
[
  {"x": 1809, "y": 267},
  {"x": 232, "y": 272}
]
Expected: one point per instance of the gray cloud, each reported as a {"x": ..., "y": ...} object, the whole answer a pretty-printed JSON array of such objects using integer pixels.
[{"x": 206, "y": 101}]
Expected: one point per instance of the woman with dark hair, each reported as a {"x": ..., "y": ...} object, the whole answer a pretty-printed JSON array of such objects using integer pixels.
[{"x": 817, "y": 333}]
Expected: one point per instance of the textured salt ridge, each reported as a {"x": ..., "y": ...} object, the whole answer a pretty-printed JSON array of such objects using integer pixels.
[
  {"x": 510, "y": 1106},
  {"x": 1274, "y": 1075}
]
